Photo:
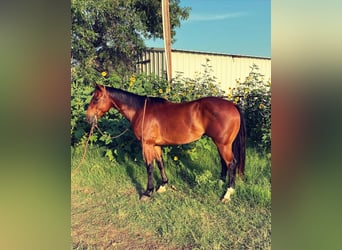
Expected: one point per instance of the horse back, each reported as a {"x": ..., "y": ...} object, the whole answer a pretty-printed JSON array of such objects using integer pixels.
[{"x": 168, "y": 123}]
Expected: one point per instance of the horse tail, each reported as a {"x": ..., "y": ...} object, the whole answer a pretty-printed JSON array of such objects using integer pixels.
[{"x": 239, "y": 145}]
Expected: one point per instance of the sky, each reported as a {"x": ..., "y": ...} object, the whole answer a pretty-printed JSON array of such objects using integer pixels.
[{"x": 239, "y": 27}]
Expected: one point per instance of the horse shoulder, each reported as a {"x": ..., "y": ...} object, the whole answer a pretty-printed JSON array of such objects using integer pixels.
[{"x": 145, "y": 121}]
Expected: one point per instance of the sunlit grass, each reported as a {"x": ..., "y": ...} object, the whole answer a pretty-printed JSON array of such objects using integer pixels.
[{"x": 189, "y": 215}]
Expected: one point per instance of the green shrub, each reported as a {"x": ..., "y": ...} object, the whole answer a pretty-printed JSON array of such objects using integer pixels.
[
  {"x": 113, "y": 123},
  {"x": 254, "y": 97}
]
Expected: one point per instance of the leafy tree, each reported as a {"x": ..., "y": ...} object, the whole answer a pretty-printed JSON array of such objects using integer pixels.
[{"x": 108, "y": 35}]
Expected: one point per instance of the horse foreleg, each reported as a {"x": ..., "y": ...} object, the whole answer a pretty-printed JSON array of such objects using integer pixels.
[
  {"x": 150, "y": 154},
  {"x": 148, "y": 157},
  {"x": 160, "y": 164},
  {"x": 150, "y": 185},
  {"x": 162, "y": 187}
]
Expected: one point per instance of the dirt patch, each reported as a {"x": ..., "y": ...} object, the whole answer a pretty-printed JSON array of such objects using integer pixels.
[
  {"x": 91, "y": 227},
  {"x": 109, "y": 237}
]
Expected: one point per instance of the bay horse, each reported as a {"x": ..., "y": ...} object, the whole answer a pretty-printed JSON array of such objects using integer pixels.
[{"x": 158, "y": 122}]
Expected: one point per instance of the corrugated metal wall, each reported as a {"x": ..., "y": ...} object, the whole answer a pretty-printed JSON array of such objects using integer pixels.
[{"x": 226, "y": 68}]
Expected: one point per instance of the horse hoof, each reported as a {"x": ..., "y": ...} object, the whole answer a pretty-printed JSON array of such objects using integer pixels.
[
  {"x": 161, "y": 189},
  {"x": 226, "y": 197},
  {"x": 225, "y": 200},
  {"x": 145, "y": 198}
]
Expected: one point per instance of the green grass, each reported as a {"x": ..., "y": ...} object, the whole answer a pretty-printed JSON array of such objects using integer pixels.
[{"x": 106, "y": 211}]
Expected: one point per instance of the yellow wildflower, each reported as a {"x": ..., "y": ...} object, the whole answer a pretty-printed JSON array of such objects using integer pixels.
[
  {"x": 132, "y": 80},
  {"x": 104, "y": 73},
  {"x": 230, "y": 96},
  {"x": 160, "y": 91},
  {"x": 175, "y": 158},
  {"x": 261, "y": 106},
  {"x": 236, "y": 99}
]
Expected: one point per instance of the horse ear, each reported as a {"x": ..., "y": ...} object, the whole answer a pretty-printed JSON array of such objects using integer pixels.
[{"x": 98, "y": 86}]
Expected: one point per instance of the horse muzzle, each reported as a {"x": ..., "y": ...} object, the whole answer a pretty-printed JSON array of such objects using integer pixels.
[{"x": 92, "y": 119}]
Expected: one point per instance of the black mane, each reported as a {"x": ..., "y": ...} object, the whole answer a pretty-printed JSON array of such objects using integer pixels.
[{"x": 130, "y": 99}]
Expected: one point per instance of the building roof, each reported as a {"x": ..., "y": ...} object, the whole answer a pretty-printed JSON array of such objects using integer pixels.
[{"x": 209, "y": 53}]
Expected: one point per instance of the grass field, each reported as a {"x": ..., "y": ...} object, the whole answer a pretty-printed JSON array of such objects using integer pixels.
[{"x": 107, "y": 214}]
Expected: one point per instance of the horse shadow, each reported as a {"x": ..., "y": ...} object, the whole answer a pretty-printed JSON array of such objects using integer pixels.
[
  {"x": 191, "y": 164},
  {"x": 182, "y": 171}
]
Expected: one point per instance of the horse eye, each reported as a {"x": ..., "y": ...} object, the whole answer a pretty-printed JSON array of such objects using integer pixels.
[{"x": 95, "y": 100}]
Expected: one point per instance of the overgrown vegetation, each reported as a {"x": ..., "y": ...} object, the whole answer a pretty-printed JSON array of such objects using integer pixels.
[
  {"x": 106, "y": 211},
  {"x": 254, "y": 97},
  {"x": 113, "y": 123}
]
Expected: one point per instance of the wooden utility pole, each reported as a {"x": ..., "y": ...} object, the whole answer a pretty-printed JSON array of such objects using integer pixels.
[{"x": 167, "y": 38}]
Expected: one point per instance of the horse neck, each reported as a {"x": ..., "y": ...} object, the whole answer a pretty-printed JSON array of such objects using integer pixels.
[{"x": 128, "y": 104}]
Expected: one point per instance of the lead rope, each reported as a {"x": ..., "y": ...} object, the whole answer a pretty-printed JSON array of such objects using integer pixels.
[
  {"x": 94, "y": 124},
  {"x": 113, "y": 137},
  {"x": 85, "y": 150},
  {"x": 142, "y": 129}
]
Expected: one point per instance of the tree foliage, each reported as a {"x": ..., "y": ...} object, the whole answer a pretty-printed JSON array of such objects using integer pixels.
[{"x": 108, "y": 35}]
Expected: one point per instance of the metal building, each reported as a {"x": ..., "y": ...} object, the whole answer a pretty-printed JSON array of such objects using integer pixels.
[{"x": 226, "y": 68}]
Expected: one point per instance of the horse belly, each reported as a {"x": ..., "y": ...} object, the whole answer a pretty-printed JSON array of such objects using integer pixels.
[{"x": 179, "y": 133}]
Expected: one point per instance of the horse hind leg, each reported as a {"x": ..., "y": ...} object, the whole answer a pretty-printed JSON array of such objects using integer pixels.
[
  {"x": 231, "y": 185},
  {"x": 228, "y": 164},
  {"x": 224, "y": 170}
]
